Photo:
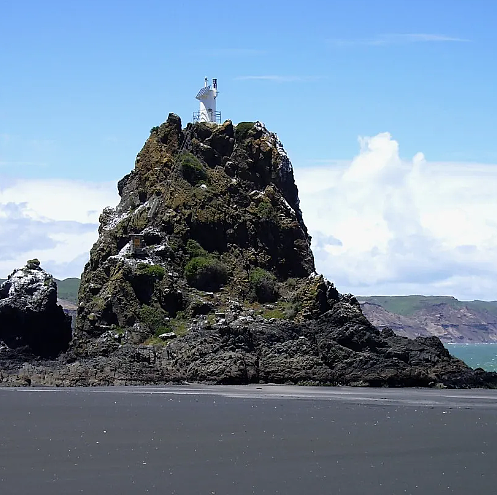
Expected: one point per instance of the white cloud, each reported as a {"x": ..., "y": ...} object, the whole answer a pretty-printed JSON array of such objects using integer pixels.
[
  {"x": 53, "y": 220},
  {"x": 384, "y": 225},
  {"x": 398, "y": 38}
]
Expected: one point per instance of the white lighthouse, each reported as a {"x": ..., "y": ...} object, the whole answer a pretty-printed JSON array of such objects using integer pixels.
[{"x": 207, "y": 97}]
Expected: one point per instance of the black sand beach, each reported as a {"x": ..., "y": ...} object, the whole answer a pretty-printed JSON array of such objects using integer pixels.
[{"x": 247, "y": 440}]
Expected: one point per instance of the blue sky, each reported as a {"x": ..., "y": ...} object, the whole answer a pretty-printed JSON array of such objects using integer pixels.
[{"x": 83, "y": 82}]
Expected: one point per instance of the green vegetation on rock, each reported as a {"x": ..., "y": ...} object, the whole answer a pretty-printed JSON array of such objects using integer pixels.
[
  {"x": 178, "y": 325},
  {"x": 194, "y": 249},
  {"x": 152, "y": 271},
  {"x": 154, "y": 318},
  {"x": 242, "y": 130},
  {"x": 262, "y": 285},
  {"x": 192, "y": 169},
  {"x": 33, "y": 264},
  {"x": 206, "y": 273},
  {"x": 265, "y": 210},
  {"x": 98, "y": 304},
  {"x": 155, "y": 341}
]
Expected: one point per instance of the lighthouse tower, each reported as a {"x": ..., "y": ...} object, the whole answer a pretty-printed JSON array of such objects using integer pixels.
[{"x": 207, "y": 97}]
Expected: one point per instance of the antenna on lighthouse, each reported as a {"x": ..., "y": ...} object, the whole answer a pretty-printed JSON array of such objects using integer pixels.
[{"x": 207, "y": 97}]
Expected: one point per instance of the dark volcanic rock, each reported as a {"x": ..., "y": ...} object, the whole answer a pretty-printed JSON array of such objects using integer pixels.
[
  {"x": 216, "y": 207},
  {"x": 30, "y": 319},
  {"x": 330, "y": 350},
  {"x": 208, "y": 244}
]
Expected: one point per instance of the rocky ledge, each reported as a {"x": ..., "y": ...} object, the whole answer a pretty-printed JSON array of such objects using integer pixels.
[{"x": 204, "y": 272}]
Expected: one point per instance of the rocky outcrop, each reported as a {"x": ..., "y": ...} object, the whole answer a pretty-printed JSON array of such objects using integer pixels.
[
  {"x": 217, "y": 211},
  {"x": 339, "y": 348},
  {"x": 30, "y": 319},
  {"x": 204, "y": 272}
]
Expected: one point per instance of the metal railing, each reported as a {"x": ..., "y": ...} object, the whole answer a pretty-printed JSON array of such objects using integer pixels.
[{"x": 213, "y": 116}]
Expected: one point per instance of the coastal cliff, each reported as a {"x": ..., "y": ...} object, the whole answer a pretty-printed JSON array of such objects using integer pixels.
[{"x": 450, "y": 320}]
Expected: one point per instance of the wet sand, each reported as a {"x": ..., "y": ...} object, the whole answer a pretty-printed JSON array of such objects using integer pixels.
[{"x": 247, "y": 440}]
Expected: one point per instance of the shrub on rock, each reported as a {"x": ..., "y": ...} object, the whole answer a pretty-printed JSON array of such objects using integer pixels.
[
  {"x": 154, "y": 318},
  {"x": 33, "y": 264},
  {"x": 194, "y": 249},
  {"x": 266, "y": 211},
  {"x": 206, "y": 273},
  {"x": 192, "y": 169},
  {"x": 151, "y": 271},
  {"x": 263, "y": 285}
]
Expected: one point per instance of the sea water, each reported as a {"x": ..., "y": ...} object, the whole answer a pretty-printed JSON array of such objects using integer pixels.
[{"x": 476, "y": 355}]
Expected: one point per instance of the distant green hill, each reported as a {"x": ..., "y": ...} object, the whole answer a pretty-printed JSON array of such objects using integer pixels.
[
  {"x": 66, "y": 289},
  {"x": 409, "y": 305}
]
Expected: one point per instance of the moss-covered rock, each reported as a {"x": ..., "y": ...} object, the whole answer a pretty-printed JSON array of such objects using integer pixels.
[{"x": 216, "y": 206}]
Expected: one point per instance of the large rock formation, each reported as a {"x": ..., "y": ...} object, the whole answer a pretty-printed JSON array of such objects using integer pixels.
[
  {"x": 218, "y": 211},
  {"x": 30, "y": 319},
  {"x": 204, "y": 272}
]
